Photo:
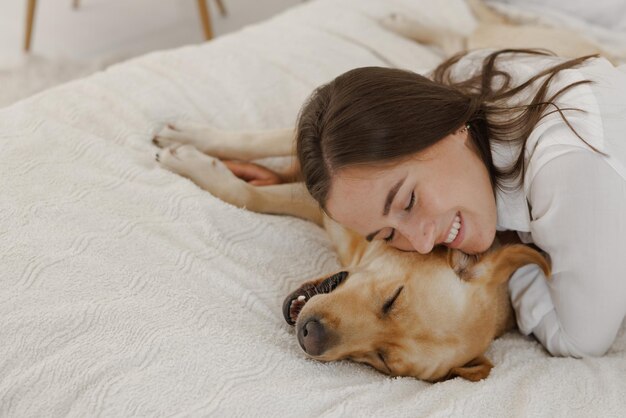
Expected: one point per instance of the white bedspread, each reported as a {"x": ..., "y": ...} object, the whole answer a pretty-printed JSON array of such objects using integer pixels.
[{"x": 127, "y": 291}]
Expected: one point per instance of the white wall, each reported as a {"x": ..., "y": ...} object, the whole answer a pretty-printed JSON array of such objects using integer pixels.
[{"x": 101, "y": 28}]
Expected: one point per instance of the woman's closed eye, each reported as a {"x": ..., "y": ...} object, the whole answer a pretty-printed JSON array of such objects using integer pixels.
[
  {"x": 408, "y": 208},
  {"x": 411, "y": 203},
  {"x": 389, "y": 237}
]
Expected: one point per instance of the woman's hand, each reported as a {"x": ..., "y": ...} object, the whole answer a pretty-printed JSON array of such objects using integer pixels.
[{"x": 254, "y": 174}]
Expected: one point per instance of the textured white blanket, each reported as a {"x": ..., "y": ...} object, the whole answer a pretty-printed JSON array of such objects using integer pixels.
[{"x": 127, "y": 291}]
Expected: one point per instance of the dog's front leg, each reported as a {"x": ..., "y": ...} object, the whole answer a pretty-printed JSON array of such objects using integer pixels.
[
  {"x": 207, "y": 172},
  {"x": 241, "y": 145},
  {"x": 212, "y": 175}
]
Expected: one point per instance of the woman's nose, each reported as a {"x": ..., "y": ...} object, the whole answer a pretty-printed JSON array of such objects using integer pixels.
[{"x": 422, "y": 238}]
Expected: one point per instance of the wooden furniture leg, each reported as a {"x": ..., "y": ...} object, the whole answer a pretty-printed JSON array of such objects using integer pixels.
[
  {"x": 30, "y": 18},
  {"x": 220, "y": 6},
  {"x": 205, "y": 17}
]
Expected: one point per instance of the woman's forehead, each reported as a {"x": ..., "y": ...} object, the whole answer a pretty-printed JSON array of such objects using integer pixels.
[
  {"x": 353, "y": 181},
  {"x": 383, "y": 171}
]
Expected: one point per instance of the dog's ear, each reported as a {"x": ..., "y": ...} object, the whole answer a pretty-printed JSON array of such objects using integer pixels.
[
  {"x": 350, "y": 246},
  {"x": 506, "y": 260},
  {"x": 475, "y": 370},
  {"x": 497, "y": 266},
  {"x": 462, "y": 264}
]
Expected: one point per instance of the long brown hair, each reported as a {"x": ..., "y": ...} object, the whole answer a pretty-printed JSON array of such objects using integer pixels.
[{"x": 375, "y": 116}]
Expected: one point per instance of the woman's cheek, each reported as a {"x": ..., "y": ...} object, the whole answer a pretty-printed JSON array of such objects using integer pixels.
[{"x": 482, "y": 238}]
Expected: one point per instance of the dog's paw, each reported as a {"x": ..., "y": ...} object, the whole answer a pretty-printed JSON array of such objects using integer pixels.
[
  {"x": 208, "y": 172},
  {"x": 392, "y": 18},
  {"x": 182, "y": 159},
  {"x": 397, "y": 23},
  {"x": 203, "y": 137}
]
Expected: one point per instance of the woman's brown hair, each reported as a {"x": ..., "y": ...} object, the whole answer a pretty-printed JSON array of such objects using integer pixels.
[{"x": 376, "y": 116}]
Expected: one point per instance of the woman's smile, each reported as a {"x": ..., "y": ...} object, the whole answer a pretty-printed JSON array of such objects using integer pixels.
[{"x": 453, "y": 233}]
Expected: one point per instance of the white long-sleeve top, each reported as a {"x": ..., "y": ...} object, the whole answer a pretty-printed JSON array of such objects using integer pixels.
[{"x": 573, "y": 206}]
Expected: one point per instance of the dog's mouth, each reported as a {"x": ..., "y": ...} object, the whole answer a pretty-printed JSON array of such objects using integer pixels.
[{"x": 293, "y": 304}]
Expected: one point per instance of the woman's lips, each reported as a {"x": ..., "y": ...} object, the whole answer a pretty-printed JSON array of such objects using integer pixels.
[
  {"x": 460, "y": 232},
  {"x": 460, "y": 235}
]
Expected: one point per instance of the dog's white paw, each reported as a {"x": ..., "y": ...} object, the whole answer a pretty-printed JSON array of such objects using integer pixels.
[
  {"x": 397, "y": 23},
  {"x": 207, "y": 172},
  {"x": 181, "y": 158},
  {"x": 203, "y": 137}
]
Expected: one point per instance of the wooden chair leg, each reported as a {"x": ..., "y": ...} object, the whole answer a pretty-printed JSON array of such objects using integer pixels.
[
  {"x": 220, "y": 6},
  {"x": 205, "y": 17},
  {"x": 30, "y": 19}
]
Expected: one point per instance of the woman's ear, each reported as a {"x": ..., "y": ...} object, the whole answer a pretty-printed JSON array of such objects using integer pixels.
[{"x": 475, "y": 370}]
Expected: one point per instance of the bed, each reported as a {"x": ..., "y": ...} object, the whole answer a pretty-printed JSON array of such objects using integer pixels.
[{"x": 125, "y": 290}]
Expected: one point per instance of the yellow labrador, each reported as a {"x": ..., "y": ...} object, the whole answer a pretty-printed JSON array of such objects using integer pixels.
[
  {"x": 496, "y": 31},
  {"x": 406, "y": 314}
]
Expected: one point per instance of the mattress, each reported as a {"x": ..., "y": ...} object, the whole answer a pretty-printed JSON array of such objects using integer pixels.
[{"x": 125, "y": 290}]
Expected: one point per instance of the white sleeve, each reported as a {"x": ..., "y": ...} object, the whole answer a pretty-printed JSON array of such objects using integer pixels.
[{"x": 579, "y": 218}]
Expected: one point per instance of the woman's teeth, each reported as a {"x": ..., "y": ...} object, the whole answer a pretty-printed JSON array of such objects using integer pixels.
[{"x": 456, "y": 226}]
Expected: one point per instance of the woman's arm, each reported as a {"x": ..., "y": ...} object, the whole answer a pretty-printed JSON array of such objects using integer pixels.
[
  {"x": 579, "y": 218},
  {"x": 259, "y": 175}
]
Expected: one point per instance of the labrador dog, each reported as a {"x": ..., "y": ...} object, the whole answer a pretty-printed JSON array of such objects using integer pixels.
[
  {"x": 494, "y": 30},
  {"x": 430, "y": 316}
]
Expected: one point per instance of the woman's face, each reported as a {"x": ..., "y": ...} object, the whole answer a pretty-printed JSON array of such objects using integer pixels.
[{"x": 443, "y": 195}]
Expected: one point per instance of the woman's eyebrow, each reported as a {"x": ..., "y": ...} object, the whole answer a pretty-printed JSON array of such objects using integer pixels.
[
  {"x": 391, "y": 195},
  {"x": 388, "y": 201}
]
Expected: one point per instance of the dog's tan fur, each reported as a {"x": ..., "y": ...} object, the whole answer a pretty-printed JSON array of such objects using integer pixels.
[
  {"x": 449, "y": 310},
  {"x": 496, "y": 31},
  {"x": 451, "y": 305}
]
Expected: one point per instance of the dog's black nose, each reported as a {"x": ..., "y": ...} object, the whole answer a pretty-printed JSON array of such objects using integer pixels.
[{"x": 312, "y": 337}]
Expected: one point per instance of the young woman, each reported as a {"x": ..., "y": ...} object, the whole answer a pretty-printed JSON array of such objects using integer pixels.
[{"x": 491, "y": 142}]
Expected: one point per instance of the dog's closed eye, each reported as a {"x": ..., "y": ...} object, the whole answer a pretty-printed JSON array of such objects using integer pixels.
[
  {"x": 381, "y": 357},
  {"x": 389, "y": 303}
]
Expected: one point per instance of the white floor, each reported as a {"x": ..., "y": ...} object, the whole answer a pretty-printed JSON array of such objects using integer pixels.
[{"x": 69, "y": 43}]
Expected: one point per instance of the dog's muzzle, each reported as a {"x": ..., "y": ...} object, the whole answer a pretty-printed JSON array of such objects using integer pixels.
[{"x": 294, "y": 303}]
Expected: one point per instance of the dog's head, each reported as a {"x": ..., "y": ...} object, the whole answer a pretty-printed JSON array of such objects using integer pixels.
[{"x": 429, "y": 316}]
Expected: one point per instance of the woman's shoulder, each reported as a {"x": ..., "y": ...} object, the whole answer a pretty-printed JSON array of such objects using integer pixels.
[
  {"x": 521, "y": 66},
  {"x": 595, "y": 122},
  {"x": 517, "y": 63}
]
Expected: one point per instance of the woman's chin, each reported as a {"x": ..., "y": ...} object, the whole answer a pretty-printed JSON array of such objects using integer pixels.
[{"x": 477, "y": 247}]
